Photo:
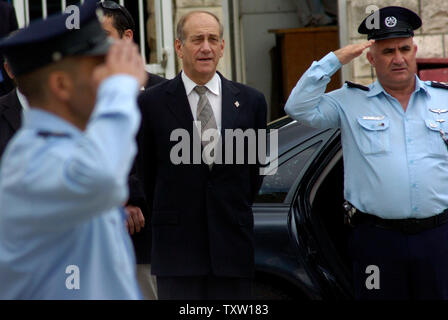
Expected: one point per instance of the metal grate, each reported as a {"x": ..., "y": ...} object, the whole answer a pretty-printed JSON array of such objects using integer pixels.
[
  {"x": 164, "y": 29},
  {"x": 23, "y": 16}
]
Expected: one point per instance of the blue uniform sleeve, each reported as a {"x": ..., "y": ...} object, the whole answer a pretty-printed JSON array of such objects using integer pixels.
[
  {"x": 72, "y": 180},
  {"x": 308, "y": 102}
]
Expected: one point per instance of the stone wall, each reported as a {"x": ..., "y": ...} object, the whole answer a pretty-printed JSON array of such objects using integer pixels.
[
  {"x": 182, "y": 7},
  {"x": 151, "y": 32},
  {"x": 430, "y": 38}
]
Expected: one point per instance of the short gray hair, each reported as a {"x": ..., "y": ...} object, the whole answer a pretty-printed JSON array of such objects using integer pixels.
[{"x": 180, "y": 32}]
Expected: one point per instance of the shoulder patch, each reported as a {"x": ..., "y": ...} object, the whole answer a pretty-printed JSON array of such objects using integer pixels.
[
  {"x": 441, "y": 85},
  {"x": 357, "y": 86}
]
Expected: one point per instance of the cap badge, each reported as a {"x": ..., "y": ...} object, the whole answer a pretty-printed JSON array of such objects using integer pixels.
[
  {"x": 56, "y": 56},
  {"x": 391, "y": 22}
]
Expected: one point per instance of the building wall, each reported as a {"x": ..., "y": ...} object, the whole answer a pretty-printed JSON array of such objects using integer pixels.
[
  {"x": 257, "y": 18},
  {"x": 151, "y": 32},
  {"x": 182, "y": 7},
  {"x": 431, "y": 38}
]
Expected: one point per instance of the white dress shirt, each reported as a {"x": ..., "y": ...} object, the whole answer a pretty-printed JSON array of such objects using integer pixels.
[
  {"x": 213, "y": 94},
  {"x": 23, "y": 102}
]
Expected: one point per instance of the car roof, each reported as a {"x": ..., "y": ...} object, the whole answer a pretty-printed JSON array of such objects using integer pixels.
[{"x": 292, "y": 133}]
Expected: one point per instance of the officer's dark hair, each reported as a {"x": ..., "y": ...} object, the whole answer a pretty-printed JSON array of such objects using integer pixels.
[
  {"x": 33, "y": 85},
  {"x": 6, "y": 63},
  {"x": 121, "y": 19},
  {"x": 180, "y": 32}
]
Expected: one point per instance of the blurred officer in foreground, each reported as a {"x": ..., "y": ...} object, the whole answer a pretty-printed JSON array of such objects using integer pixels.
[
  {"x": 63, "y": 177},
  {"x": 395, "y": 155}
]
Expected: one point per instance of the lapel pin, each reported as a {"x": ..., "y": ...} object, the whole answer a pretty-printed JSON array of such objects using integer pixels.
[{"x": 237, "y": 104}]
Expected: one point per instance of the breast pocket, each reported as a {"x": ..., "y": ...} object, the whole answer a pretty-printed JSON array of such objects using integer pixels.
[
  {"x": 374, "y": 136},
  {"x": 435, "y": 143}
]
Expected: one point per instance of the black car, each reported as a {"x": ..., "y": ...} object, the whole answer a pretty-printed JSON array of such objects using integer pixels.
[{"x": 300, "y": 235}]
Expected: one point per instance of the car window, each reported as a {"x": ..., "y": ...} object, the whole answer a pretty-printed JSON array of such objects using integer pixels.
[{"x": 276, "y": 187}]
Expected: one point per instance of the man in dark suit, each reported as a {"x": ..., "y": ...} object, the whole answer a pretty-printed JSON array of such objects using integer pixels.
[
  {"x": 202, "y": 221},
  {"x": 11, "y": 109},
  {"x": 10, "y": 118},
  {"x": 8, "y": 19},
  {"x": 119, "y": 24},
  {"x": 8, "y": 23}
]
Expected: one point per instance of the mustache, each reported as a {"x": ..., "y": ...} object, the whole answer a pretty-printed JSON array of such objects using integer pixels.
[{"x": 399, "y": 66}]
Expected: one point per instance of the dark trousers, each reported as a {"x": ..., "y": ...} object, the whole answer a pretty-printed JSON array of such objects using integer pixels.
[
  {"x": 204, "y": 288},
  {"x": 411, "y": 267}
]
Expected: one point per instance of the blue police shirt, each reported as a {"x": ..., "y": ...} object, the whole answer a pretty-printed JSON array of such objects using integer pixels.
[
  {"x": 396, "y": 162},
  {"x": 62, "y": 225}
]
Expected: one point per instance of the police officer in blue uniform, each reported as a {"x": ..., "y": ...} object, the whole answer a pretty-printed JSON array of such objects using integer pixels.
[
  {"x": 395, "y": 157},
  {"x": 63, "y": 177}
]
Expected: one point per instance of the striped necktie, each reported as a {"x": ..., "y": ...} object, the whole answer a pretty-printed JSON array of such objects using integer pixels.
[{"x": 205, "y": 114}]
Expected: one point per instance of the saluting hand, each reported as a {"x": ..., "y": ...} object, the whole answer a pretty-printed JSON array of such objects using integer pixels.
[
  {"x": 352, "y": 51},
  {"x": 123, "y": 58}
]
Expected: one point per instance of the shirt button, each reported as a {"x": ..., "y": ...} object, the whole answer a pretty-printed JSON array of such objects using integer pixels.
[
  {"x": 411, "y": 162},
  {"x": 415, "y": 209},
  {"x": 414, "y": 186}
]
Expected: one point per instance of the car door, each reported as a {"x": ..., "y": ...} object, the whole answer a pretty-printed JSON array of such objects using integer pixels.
[
  {"x": 318, "y": 216},
  {"x": 277, "y": 251}
]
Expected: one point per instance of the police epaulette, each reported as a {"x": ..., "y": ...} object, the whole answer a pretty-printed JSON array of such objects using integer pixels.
[
  {"x": 441, "y": 85},
  {"x": 48, "y": 134},
  {"x": 356, "y": 85}
]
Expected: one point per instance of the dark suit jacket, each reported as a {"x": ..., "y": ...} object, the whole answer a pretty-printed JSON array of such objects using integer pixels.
[
  {"x": 142, "y": 240},
  {"x": 10, "y": 118},
  {"x": 201, "y": 220},
  {"x": 8, "y": 20},
  {"x": 153, "y": 80},
  {"x": 8, "y": 23}
]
